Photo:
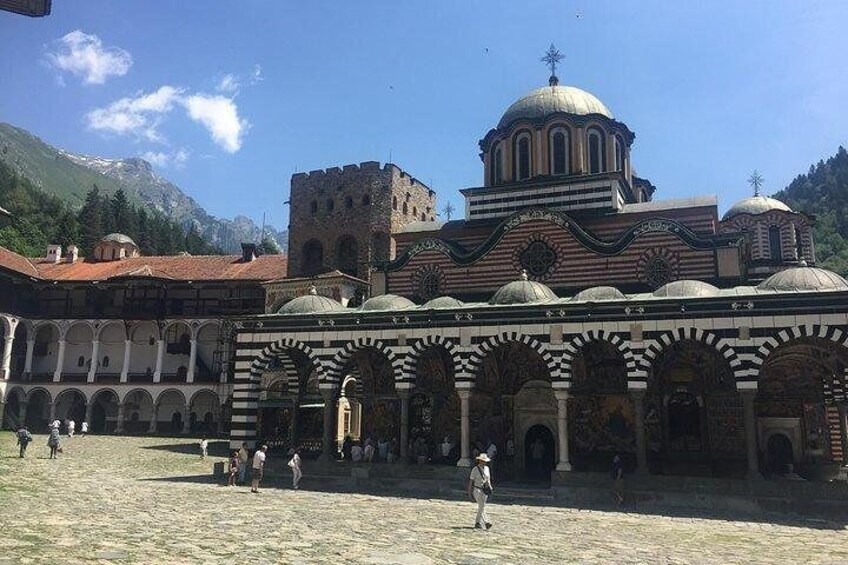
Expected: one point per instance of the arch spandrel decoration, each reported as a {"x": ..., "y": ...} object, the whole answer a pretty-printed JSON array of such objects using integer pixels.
[
  {"x": 835, "y": 334},
  {"x": 421, "y": 346},
  {"x": 334, "y": 375},
  {"x": 475, "y": 361},
  {"x": 281, "y": 347},
  {"x": 573, "y": 348},
  {"x": 459, "y": 256},
  {"x": 655, "y": 349}
]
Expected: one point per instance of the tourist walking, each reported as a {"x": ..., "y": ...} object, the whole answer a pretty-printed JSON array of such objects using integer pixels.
[
  {"x": 54, "y": 442},
  {"x": 83, "y": 428},
  {"x": 24, "y": 439},
  {"x": 258, "y": 467},
  {"x": 204, "y": 446},
  {"x": 72, "y": 426},
  {"x": 294, "y": 463},
  {"x": 234, "y": 469},
  {"x": 243, "y": 456},
  {"x": 617, "y": 480},
  {"x": 479, "y": 489}
]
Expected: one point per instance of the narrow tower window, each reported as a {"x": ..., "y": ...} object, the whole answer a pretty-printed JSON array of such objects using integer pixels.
[
  {"x": 522, "y": 157},
  {"x": 559, "y": 153},
  {"x": 775, "y": 250},
  {"x": 596, "y": 151}
]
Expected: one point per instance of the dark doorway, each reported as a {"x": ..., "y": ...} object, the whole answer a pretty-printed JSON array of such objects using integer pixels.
[
  {"x": 779, "y": 453},
  {"x": 176, "y": 422},
  {"x": 37, "y": 412},
  {"x": 12, "y": 413},
  {"x": 684, "y": 423},
  {"x": 539, "y": 453}
]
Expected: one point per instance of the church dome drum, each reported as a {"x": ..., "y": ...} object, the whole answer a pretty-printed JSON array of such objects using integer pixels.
[
  {"x": 549, "y": 100},
  {"x": 387, "y": 302},
  {"x": 755, "y": 205},
  {"x": 443, "y": 302},
  {"x": 686, "y": 289},
  {"x": 597, "y": 293}
]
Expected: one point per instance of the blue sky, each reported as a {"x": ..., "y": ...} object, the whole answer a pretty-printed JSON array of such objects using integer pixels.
[{"x": 231, "y": 98}]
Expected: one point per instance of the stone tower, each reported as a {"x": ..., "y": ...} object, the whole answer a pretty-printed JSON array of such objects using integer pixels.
[{"x": 345, "y": 218}]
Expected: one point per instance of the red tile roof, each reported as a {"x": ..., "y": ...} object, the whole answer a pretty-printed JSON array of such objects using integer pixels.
[{"x": 178, "y": 267}]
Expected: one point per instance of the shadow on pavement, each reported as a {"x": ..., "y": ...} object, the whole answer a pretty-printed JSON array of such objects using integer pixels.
[{"x": 217, "y": 448}]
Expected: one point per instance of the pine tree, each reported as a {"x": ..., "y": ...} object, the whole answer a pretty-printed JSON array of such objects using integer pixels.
[
  {"x": 269, "y": 246},
  {"x": 91, "y": 220}
]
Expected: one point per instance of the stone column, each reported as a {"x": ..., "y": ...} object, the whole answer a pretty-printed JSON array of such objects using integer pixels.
[
  {"x": 95, "y": 355},
  {"x": 750, "y": 433},
  {"x": 186, "y": 420},
  {"x": 29, "y": 352},
  {"x": 119, "y": 424},
  {"x": 154, "y": 419},
  {"x": 125, "y": 368},
  {"x": 404, "y": 424},
  {"x": 465, "y": 428},
  {"x": 52, "y": 415},
  {"x": 88, "y": 406},
  {"x": 562, "y": 430},
  {"x": 2, "y": 413},
  {"x": 329, "y": 447},
  {"x": 192, "y": 361},
  {"x": 60, "y": 362},
  {"x": 638, "y": 397},
  {"x": 160, "y": 357},
  {"x": 7, "y": 355},
  {"x": 843, "y": 431}
]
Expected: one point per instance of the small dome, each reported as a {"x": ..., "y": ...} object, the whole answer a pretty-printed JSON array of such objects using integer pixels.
[
  {"x": 686, "y": 288},
  {"x": 310, "y": 304},
  {"x": 551, "y": 100},
  {"x": 599, "y": 293},
  {"x": 387, "y": 302},
  {"x": 443, "y": 302},
  {"x": 804, "y": 278},
  {"x": 119, "y": 238},
  {"x": 755, "y": 205},
  {"x": 522, "y": 291}
]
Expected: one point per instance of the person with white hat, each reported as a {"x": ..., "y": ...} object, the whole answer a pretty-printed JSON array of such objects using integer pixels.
[{"x": 479, "y": 489}]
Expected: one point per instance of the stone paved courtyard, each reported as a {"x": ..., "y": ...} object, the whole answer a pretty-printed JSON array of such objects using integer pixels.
[{"x": 145, "y": 500}]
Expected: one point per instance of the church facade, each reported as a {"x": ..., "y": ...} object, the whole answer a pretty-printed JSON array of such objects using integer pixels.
[{"x": 569, "y": 309}]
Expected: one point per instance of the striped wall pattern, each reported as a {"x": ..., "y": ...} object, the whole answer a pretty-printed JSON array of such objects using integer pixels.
[
  {"x": 572, "y": 349},
  {"x": 330, "y": 350}
]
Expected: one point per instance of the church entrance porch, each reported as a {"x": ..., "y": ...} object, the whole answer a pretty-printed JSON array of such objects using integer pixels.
[{"x": 539, "y": 453}]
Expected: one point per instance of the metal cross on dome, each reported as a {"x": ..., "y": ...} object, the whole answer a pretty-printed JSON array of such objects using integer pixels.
[
  {"x": 551, "y": 58},
  {"x": 756, "y": 181}
]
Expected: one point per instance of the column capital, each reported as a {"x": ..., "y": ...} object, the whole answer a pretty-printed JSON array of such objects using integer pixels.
[
  {"x": 328, "y": 393},
  {"x": 463, "y": 393},
  {"x": 562, "y": 394},
  {"x": 403, "y": 393},
  {"x": 638, "y": 393}
]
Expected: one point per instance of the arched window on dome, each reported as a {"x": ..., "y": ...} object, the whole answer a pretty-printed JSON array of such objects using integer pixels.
[
  {"x": 597, "y": 153},
  {"x": 619, "y": 154},
  {"x": 522, "y": 157},
  {"x": 405, "y": 209},
  {"x": 497, "y": 166},
  {"x": 560, "y": 148},
  {"x": 775, "y": 248}
]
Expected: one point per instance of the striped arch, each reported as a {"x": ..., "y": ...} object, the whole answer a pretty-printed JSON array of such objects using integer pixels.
[
  {"x": 280, "y": 348},
  {"x": 652, "y": 353},
  {"x": 475, "y": 361},
  {"x": 342, "y": 357},
  {"x": 425, "y": 343},
  {"x": 573, "y": 348},
  {"x": 836, "y": 335}
]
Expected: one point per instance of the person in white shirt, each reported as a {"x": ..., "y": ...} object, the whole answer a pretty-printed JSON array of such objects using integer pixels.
[
  {"x": 258, "y": 468},
  {"x": 447, "y": 447},
  {"x": 368, "y": 452},
  {"x": 83, "y": 429},
  {"x": 297, "y": 473},
  {"x": 204, "y": 446},
  {"x": 71, "y": 427},
  {"x": 479, "y": 487}
]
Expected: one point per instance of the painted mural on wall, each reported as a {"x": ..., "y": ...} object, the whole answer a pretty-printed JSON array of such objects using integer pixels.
[{"x": 602, "y": 423}]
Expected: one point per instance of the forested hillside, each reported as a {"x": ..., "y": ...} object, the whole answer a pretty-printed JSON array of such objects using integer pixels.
[
  {"x": 823, "y": 193},
  {"x": 42, "y": 219}
]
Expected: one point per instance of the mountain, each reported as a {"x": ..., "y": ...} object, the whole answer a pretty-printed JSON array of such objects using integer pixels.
[
  {"x": 70, "y": 176},
  {"x": 823, "y": 192}
]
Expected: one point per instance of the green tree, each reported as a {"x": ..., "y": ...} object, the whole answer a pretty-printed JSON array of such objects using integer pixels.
[
  {"x": 90, "y": 218},
  {"x": 269, "y": 246}
]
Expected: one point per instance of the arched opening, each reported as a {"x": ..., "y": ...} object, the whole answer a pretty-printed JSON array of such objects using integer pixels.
[
  {"x": 597, "y": 151},
  {"x": 619, "y": 154},
  {"x": 78, "y": 350},
  {"x": 210, "y": 351},
  {"x": 104, "y": 412},
  {"x": 347, "y": 255},
  {"x": 434, "y": 408},
  {"x": 375, "y": 388},
  {"x": 349, "y": 414},
  {"x": 19, "y": 347},
  {"x": 601, "y": 417},
  {"x": 775, "y": 246},
  {"x": 795, "y": 397},
  {"x": 177, "y": 353},
  {"x": 539, "y": 453},
  {"x": 205, "y": 409},
  {"x": 522, "y": 157},
  {"x": 512, "y": 393},
  {"x": 144, "y": 347},
  {"x": 45, "y": 351},
  {"x": 693, "y": 414},
  {"x": 12, "y": 419},
  {"x": 560, "y": 149},
  {"x": 313, "y": 258},
  {"x": 37, "y": 410},
  {"x": 138, "y": 412},
  {"x": 497, "y": 166},
  {"x": 779, "y": 454},
  {"x": 171, "y": 407},
  {"x": 70, "y": 405}
]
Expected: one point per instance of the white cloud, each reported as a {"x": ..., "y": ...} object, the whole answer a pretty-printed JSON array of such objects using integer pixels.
[
  {"x": 256, "y": 76},
  {"x": 83, "y": 55},
  {"x": 219, "y": 115},
  {"x": 176, "y": 159},
  {"x": 229, "y": 84},
  {"x": 139, "y": 116}
]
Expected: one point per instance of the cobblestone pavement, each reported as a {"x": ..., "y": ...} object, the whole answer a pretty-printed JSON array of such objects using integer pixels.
[{"x": 145, "y": 500}]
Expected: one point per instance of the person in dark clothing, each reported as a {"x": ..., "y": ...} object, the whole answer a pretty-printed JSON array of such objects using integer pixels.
[
  {"x": 617, "y": 480},
  {"x": 347, "y": 447},
  {"x": 24, "y": 439}
]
